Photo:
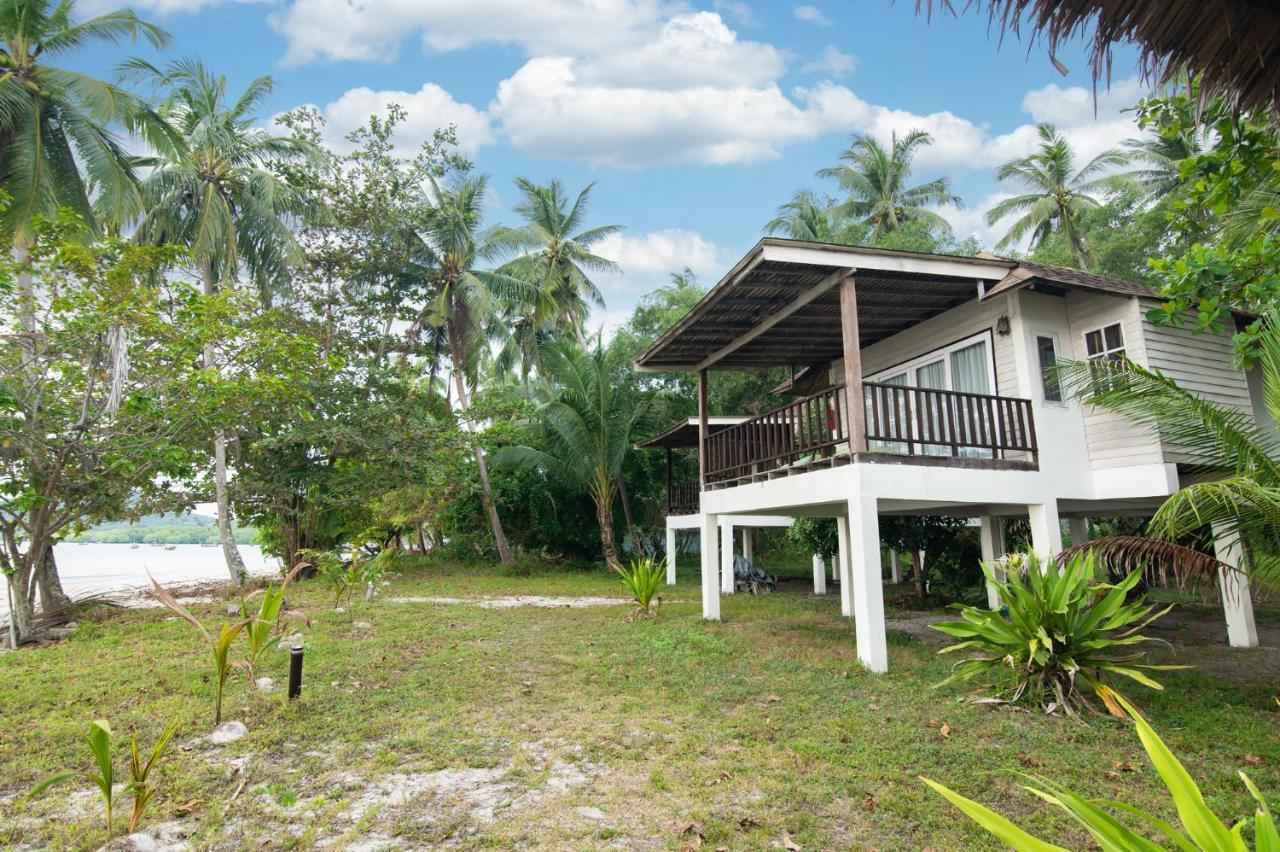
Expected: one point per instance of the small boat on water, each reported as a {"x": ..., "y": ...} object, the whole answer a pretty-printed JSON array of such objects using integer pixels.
[
  {"x": 171, "y": 547},
  {"x": 134, "y": 546}
]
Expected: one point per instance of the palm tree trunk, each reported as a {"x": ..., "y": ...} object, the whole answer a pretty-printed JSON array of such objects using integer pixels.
[
  {"x": 626, "y": 509},
  {"x": 235, "y": 565},
  {"x": 486, "y": 491},
  {"x": 604, "y": 517}
]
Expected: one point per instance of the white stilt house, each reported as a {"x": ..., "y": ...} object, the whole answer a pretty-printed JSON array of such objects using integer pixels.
[{"x": 933, "y": 398}]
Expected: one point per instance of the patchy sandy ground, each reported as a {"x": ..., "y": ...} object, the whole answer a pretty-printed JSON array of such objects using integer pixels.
[{"x": 511, "y": 601}]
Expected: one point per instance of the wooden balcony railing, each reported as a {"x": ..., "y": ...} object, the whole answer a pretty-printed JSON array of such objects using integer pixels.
[
  {"x": 899, "y": 419},
  {"x": 683, "y": 498}
]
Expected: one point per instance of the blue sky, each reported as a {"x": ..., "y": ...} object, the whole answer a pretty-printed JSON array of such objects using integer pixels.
[{"x": 695, "y": 119}]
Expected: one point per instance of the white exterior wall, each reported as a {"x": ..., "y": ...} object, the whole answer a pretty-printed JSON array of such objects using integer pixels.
[
  {"x": 1201, "y": 363},
  {"x": 1114, "y": 441}
]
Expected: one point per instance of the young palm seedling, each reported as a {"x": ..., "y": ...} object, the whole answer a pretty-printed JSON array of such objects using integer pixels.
[
  {"x": 98, "y": 737},
  {"x": 140, "y": 771},
  {"x": 219, "y": 645},
  {"x": 261, "y": 629},
  {"x": 641, "y": 580}
]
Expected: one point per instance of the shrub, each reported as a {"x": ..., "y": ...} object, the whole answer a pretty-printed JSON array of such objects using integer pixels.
[
  {"x": 642, "y": 579},
  {"x": 260, "y": 630},
  {"x": 1201, "y": 827},
  {"x": 1063, "y": 630}
]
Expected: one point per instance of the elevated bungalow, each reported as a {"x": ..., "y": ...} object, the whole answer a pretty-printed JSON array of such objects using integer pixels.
[{"x": 927, "y": 393}]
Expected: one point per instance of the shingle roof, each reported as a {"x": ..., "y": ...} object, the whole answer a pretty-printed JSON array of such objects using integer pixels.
[{"x": 1027, "y": 272}]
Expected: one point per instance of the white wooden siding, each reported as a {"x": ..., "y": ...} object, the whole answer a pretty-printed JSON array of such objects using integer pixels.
[
  {"x": 1113, "y": 440},
  {"x": 1201, "y": 363}
]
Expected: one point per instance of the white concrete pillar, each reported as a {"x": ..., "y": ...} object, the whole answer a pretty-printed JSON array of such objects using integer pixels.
[
  {"x": 748, "y": 544},
  {"x": 991, "y": 536},
  {"x": 819, "y": 575},
  {"x": 711, "y": 567},
  {"x": 1237, "y": 602},
  {"x": 1078, "y": 528},
  {"x": 671, "y": 556},
  {"x": 1046, "y": 530},
  {"x": 895, "y": 567},
  {"x": 868, "y": 591},
  {"x": 842, "y": 561},
  {"x": 726, "y": 559},
  {"x": 835, "y": 569}
]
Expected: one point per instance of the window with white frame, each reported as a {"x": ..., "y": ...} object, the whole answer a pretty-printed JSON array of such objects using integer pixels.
[
  {"x": 1105, "y": 344},
  {"x": 1047, "y": 353}
]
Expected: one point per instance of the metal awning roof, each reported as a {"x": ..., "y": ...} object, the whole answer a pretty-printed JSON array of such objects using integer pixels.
[
  {"x": 779, "y": 305},
  {"x": 685, "y": 433}
]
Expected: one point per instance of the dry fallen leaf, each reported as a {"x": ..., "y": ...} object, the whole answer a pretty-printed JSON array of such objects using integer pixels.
[
  {"x": 789, "y": 843},
  {"x": 1123, "y": 766},
  {"x": 1252, "y": 760},
  {"x": 945, "y": 730},
  {"x": 188, "y": 807}
]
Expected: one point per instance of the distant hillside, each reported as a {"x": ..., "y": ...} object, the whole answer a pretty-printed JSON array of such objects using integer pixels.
[{"x": 164, "y": 529}]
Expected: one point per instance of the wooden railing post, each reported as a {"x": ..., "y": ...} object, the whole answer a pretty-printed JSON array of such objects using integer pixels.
[
  {"x": 853, "y": 366},
  {"x": 702, "y": 429}
]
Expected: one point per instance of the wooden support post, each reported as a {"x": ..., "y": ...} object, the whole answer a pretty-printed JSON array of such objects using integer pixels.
[
  {"x": 991, "y": 537},
  {"x": 726, "y": 558},
  {"x": 819, "y": 575},
  {"x": 868, "y": 591},
  {"x": 671, "y": 556},
  {"x": 702, "y": 429},
  {"x": 1079, "y": 529},
  {"x": 856, "y": 407},
  {"x": 1046, "y": 529},
  {"x": 748, "y": 544},
  {"x": 669, "y": 480},
  {"x": 842, "y": 559},
  {"x": 1237, "y": 603},
  {"x": 711, "y": 567},
  {"x": 895, "y": 567}
]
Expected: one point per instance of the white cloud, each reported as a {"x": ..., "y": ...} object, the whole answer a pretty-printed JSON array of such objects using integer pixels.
[
  {"x": 646, "y": 262},
  {"x": 372, "y": 30},
  {"x": 831, "y": 61},
  {"x": 812, "y": 15},
  {"x": 741, "y": 13},
  {"x": 427, "y": 109},
  {"x": 972, "y": 221}
]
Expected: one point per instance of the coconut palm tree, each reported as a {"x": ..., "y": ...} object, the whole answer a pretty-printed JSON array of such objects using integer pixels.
[
  {"x": 1058, "y": 195},
  {"x": 222, "y": 197},
  {"x": 810, "y": 216},
  {"x": 1244, "y": 498},
  {"x": 557, "y": 256},
  {"x": 57, "y": 146},
  {"x": 1158, "y": 158},
  {"x": 466, "y": 299},
  {"x": 875, "y": 180},
  {"x": 585, "y": 419}
]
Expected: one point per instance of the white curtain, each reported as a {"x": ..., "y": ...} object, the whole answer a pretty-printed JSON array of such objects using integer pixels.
[
  {"x": 969, "y": 374},
  {"x": 934, "y": 376}
]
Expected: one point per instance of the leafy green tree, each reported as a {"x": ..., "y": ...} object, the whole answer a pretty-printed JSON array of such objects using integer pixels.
[
  {"x": 98, "y": 411},
  {"x": 587, "y": 422},
  {"x": 557, "y": 254},
  {"x": 1225, "y": 218},
  {"x": 466, "y": 299},
  {"x": 1057, "y": 194},
  {"x": 222, "y": 198},
  {"x": 875, "y": 180}
]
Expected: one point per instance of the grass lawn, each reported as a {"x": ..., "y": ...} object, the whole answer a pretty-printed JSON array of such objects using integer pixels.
[{"x": 424, "y": 724}]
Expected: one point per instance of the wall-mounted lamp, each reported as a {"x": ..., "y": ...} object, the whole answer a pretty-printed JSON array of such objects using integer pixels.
[{"x": 1002, "y": 325}]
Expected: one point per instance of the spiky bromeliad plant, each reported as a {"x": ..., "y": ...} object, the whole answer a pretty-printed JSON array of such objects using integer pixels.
[
  {"x": 1200, "y": 827},
  {"x": 1064, "y": 633}
]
